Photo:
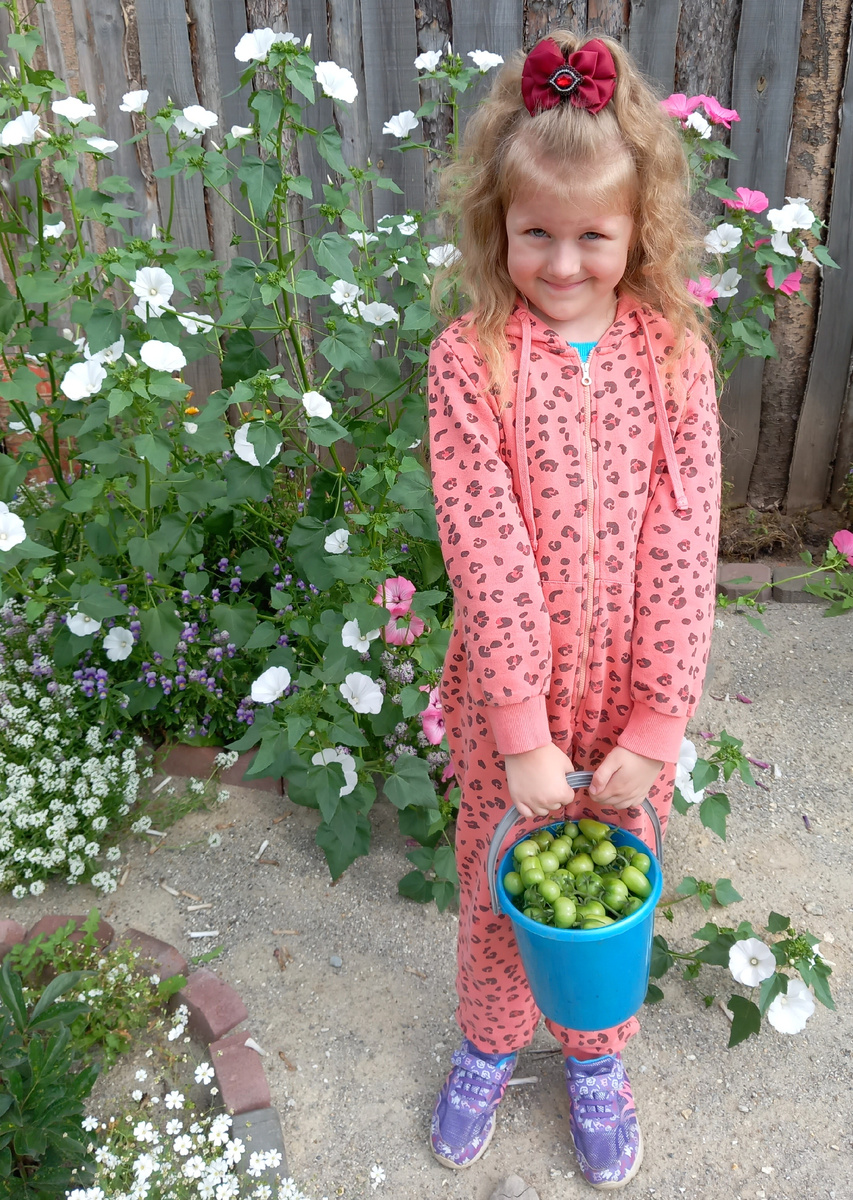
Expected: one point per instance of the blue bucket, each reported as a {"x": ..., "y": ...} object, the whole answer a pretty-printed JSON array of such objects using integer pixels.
[{"x": 587, "y": 979}]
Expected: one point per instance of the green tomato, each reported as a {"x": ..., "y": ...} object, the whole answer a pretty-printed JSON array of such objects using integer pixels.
[
  {"x": 594, "y": 830},
  {"x": 636, "y": 882},
  {"x": 543, "y": 838},
  {"x": 513, "y": 883},
  {"x": 642, "y": 862},
  {"x": 592, "y": 908},
  {"x": 549, "y": 890},
  {"x": 524, "y": 850},
  {"x": 632, "y": 905},
  {"x": 565, "y": 912},
  {"x": 597, "y": 922},
  {"x": 534, "y": 874},
  {"x": 589, "y": 884},
  {"x": 603, "y": 853},
  {"x": 570, "y": 830},
  {"x": 562, "y": 847},
  {"x": 582, "y": 845},
  {"x": 561, "y": 875},
  {"x": 548, "y": 861},
  {"x": 615, "y": 897},
  {"x": 538, "y": 915},
  {"x": 580, "y": 864},
  {"x": 608, "y": 877}
]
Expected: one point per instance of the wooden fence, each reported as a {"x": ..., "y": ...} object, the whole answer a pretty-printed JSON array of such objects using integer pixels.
[{"x": 783, "y": 64}]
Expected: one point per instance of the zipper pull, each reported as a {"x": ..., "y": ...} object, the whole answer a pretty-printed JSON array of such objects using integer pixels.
[{"x": 585, "y": 379}]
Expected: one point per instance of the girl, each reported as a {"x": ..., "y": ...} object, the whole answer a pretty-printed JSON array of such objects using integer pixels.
[{"x": 574, "y": 448}]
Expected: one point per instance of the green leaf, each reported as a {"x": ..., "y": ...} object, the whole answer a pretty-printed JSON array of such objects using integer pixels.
[
  {"x": 42, "y": 287},
  {"x": 653, "y": 994},
  {"x": 103, "y": 327},
  {"x": 347, "y": 348},
  {"x": 264, "y": 634},
  {"x": 25, "y": 44},
  {"x": 725, "y": 893},
  {"x": 776, "y": 923},
  {"x": 325, "y": 431},
  {"x": 238, "y": 619},
  {"x": 747, "y": 1020},
  {"x": 823, "y": 256},
  {"x": 11, "y": 310},
  {"x": 301, "y": 75},
  {"x": 309, "y": 283},
  {"x": 444, "y": 864},
  {"x": 95, "y": 601},
  {"x": 776, "y": 985},
  {"x": 268, "y": 105},
  {"x": 713, "y": 812},
  {"x": 328, "y": 144},
  {"x": 12, "y": 995},
  {"x": 162, "y": 627},
  {"x": 154, "y": 448},
  {"x": 410, "y": 783},
  {"x": 688, "y": 886},
  {"x": 261, "y": 178},
  {"x": 332, "y": 253},
  {"x": 415, "y": 886},
  {"x": 345, "y": 839},
  {"x": 242, "y": 358},
  {"x": 704, "y": 773},
  {"x": 662, "y": 960},
  {"x": 56, "y": 988},
  {"x": 414, "y": 701}
]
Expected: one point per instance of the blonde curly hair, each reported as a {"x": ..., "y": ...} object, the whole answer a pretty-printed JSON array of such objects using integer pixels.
[{"x": 628, "y": 156}]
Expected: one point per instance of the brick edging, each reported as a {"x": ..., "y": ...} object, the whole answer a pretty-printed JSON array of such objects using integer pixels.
[
  {"x": 770, "y": 577},
  {"x": 215, "y": 1011}
]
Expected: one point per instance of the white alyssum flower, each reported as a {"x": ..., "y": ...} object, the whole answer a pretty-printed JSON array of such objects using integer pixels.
[
  {"x": 256, "y": 46},
  {"x": 73, "y": 110},
  {"x": 697, "y": 121},
  {"x": 401, "y": 124},
  {"x": 162, "y": 356},
  {"x": 443, "y": 256},
  {"x": 83, "y": 380},
  {"x": 154, "y": 287},
  {"x": 194, "y": 120},
  {"x": 337, "y": 542},
  {"x": 244, "y": 449},
  {"x": 55, "y": 229},
  {"x": 352, "y": 636},
  {"x": 751, "y": 961},
  {"x": 687, "y": 758},
  {"x": 336, "y": 82},
  {"x": 134, "y": 102},
  {"x": 483, "y": 60},
  {"x": 32, "y": 425},
  {"x": 271, "y": 685},
  {"x": 316, "y": 405},
  {"x": 346, "y": 294},
  {"x": 118, "y": 644},
  {"x": 780, "y": 243},
  {"x": 377, "y": 313},
  {"x": 21, "y": 131},
  {"x": 723, "y": 239},
  {"x": 241, "y": 131},
  {"x": 727, "y": 283},
  {"x": 362, "y": 692},
  {"x": 102, "y": 145},
  {"x": 428, "y": 61},
  {"x": 789, "y": 1013}
]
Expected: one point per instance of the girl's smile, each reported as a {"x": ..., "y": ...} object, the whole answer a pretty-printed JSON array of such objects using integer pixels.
[{"x": 567, "y": 259}]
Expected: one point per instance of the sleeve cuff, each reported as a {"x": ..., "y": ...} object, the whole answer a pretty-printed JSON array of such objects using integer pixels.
[
  {"x": 653, "y": 734},
  {"x": 518, "y": 728}
]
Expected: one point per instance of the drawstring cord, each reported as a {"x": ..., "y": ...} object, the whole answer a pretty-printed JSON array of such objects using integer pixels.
[
  {"x": 681, "y": 503},
  {"x": 520, "y": 431}
]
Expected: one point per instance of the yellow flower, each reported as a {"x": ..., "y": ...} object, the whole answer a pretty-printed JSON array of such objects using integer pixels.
[{"x": 192, "y": 411}]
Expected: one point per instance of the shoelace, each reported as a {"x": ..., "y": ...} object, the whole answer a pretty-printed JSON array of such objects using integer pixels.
[{"x": 474, "y": 1072}]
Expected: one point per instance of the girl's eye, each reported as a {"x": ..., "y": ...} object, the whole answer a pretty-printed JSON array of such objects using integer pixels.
[
  {"x": 593, "y": 237},
  {"x": 537, "y": 233}
]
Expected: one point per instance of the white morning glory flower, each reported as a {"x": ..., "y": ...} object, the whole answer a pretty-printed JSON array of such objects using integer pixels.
[
  {"x": 21, "y": 131},
  {"x": 345, "y": 294},
  {"x": 195, "y": 322},
  {"x": 337, "y": 542},
  {"x": 12, "y": 530},
  {"x": 723, "y": 239},
  {"x": 109, "y": 355},
  {"x": 323, "y": 757},
  {"x": 255, "y": 46},
  {"x": 377, "y": 313},
  {"x": 362, "y": 692},
  {"x": 362, "y": 239},
  {"x": 80, "y": 624},
  {"x": 23, "y": 427},
  {"x": 751, "y": 961},
  {"x": 779, "y": 242},
  {"x": 244, "y": 449},
  {"x": 402, "y": 124},
  {"x": 789, "y": 1013},
  {"x": 800, "y": 215},
  {"x": 807, "y": 256},
  {"x": 336, "y": 81},
  {"x": 190, "y": 426},
  {"x": 134, "y": 102},
  {"x": 428, "y": 61},
  {"x": 73, "y": 110},
  {"x": 154, "y": 287},
  {"x": 118, "y": 645},
  {"x": 241, "y": 131},
  {"x": 352, "y": 636},
  {"x": 102, "y": 145},
  {"x": 195, "y": 120},
  {"x": 697, "y": 121},
  {"x": 316, "y": 405},
  {"x": 443, "y": 256},
  {"x": 271, "y": 685},
  {"x": 687, "y": 758},
  {"x": 483, "y": 60},
  {"x": 726, "y": 284},
  {"x": 56, "y": 230},
  {"x": 83, "y": 380},
  {"x": 162, "y": 356}
]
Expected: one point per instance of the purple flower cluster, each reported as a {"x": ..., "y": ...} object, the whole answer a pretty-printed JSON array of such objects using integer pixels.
[{"x": 92, "y": 681}]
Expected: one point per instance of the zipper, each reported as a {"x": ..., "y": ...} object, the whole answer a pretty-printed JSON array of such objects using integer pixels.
[{"x": 590, "y": 529}]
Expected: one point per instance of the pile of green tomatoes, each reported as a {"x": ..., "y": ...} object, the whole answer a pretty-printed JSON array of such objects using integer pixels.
[{"x": 576, "y": 878}]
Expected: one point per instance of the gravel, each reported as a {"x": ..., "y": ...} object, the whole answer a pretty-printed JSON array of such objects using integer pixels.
[{"x": 356, "y": 1010}]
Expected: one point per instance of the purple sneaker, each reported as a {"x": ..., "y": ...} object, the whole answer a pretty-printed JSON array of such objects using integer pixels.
[
  {"x": 463, "y": 1120},
  {"x": 603, "y": 1121}
]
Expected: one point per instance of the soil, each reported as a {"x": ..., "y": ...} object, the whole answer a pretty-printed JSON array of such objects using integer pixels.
[
  {"x": 355, "y": 1053},
  {"x": 747, "y": 535}
]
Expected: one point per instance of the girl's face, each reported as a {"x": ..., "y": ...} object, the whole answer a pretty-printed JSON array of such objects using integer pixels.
[{"x": 567, "y": 259}]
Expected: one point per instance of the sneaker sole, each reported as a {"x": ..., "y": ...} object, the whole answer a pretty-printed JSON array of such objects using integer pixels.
[
  {"x": 638, "y": 1162},
  {"x": 452, "y": 1166}
]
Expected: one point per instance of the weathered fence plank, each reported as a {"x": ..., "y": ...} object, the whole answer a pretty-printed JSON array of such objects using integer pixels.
[
  {"x": 652, "y": 37},
  {"x": 817, "y": 428},
  {"x": 763, "y": 94},
  {"x": 543, "y": 16}
]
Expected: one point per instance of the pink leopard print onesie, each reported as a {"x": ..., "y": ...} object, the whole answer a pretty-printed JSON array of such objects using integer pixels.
[{"x": 578, "y": 521}]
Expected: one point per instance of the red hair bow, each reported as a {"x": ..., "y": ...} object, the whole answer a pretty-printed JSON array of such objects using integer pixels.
[{"x": 587, "y": 77}]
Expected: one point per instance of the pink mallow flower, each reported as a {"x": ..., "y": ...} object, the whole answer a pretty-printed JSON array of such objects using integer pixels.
[
  {"x": 790, "y": 285},
  {"x": 703, "y": 289},
  {"x": 681, "y": 106},
  {"x": 432, "y": 718},
  {"x": 403, "y": 629},
  {"x": 749, "y": 200},
  {"x": 718, "y": 115},
  {"x": 843, "y": 543},
  {"x": 395, "y": 595}
]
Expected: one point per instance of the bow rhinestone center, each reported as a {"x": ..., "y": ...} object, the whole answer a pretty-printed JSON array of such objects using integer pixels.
[{"x": 565, "y": 80}]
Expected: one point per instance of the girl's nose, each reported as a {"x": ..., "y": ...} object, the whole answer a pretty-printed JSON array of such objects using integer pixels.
[{"x": 565, "y": 260}]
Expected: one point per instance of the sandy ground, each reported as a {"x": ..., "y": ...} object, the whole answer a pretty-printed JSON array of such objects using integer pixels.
[{"x": 369, "y": 1041}]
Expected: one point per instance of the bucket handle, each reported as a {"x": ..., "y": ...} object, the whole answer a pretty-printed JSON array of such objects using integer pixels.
[{"x": 575, "y": 779}]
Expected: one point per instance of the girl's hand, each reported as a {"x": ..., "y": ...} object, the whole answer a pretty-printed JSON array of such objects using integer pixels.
[
  {"x": 623, "y": 779},
  {"x": 537, "y": 780}
]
